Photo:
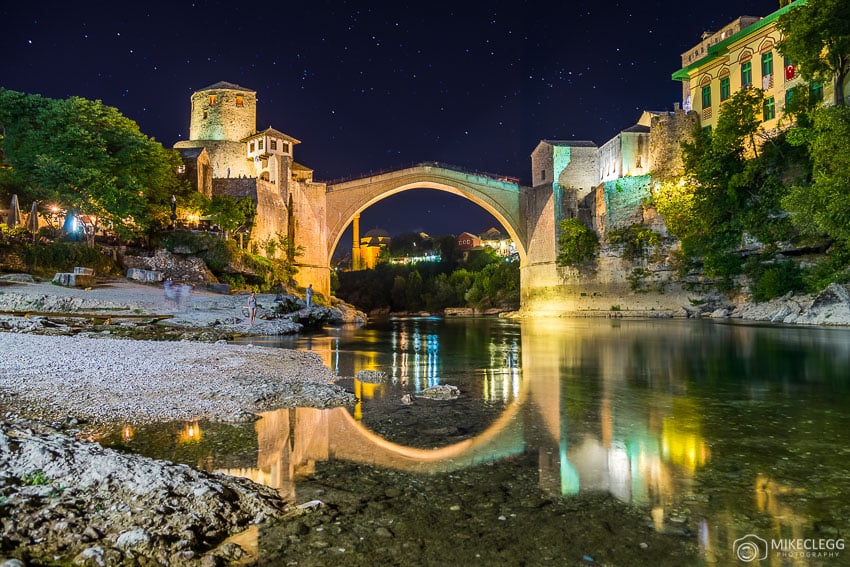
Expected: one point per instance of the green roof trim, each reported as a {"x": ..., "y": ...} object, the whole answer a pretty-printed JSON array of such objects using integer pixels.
[{"x": 722, "y": 47}]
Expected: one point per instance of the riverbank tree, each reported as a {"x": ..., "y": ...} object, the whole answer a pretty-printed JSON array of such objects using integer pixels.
[
  {"x": 486, "y": 281},
  {"x": 89, "y": 158}
]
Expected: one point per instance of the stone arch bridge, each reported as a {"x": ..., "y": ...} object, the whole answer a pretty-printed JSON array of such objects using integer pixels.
[
  {"x": 327, "y": 215},
  {"x": 498, "y": 196}
]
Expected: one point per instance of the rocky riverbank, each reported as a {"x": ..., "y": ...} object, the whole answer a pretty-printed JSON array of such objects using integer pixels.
[
  {"x": 65, "y": 372},
  {"x": 70, "y": 502}
]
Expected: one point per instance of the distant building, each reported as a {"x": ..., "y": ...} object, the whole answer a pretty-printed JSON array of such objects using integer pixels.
[
  {"x": 371, "y": 245},
  {"x": 468, "y": 241},
  {"x": 498, "y": 241}
]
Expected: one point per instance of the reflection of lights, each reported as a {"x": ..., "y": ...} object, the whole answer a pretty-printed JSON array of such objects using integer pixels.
[
  {"x": 415, "y": 354},
  {"x": 190, "y": 434},
  {"x": 127, "y": 433}
]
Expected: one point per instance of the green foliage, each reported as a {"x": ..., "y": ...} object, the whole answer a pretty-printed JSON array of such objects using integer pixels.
[
  {"x": 88, "y": 157},
  {"x": 636, "y": 241},
  {"x": 231, "y": 213},
  {"x": 816, "y": 36},
  {"x": 281, "y": 255},
  {"x": 46, "y": 259},
  {"x": 822, "y": 207},
  {"x": 832, "y": 268},
  {"x": 37, "y": 478},
  {"x": 730, "y": 190},
  {"x": 432, "y": 287},
  {"x": 770, "y": 279},
  {"x": 577, "y": 244}
]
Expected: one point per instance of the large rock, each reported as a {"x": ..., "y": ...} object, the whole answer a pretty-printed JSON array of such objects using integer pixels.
[{"x": 189, "y": 269}]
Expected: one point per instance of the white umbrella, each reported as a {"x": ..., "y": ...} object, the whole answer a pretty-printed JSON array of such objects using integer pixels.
[{"x": 14, "y": 213}]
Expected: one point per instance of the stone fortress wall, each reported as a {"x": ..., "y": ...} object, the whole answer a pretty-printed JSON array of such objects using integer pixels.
[{"x": 223, "y": 118}]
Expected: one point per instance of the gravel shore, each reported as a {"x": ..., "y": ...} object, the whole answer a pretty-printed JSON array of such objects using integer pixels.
[
  {"x": 100, "y": 379},
  {"x": 108, "y": 380}
]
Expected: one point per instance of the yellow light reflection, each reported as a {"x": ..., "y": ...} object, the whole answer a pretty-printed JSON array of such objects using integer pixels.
[{"x": 190, "y": 434}]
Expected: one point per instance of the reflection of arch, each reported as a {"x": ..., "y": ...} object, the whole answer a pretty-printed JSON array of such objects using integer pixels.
[{"x": 497, "y": 196}]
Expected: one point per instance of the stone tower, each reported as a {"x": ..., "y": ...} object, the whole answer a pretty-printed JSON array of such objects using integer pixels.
[{"x": 223, "y": 111}]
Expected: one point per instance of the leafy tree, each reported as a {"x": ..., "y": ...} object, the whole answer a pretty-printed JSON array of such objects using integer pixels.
[
  {"x": 231, "y": 213},
  {"x": 577, "y": 244},
  {"x": 88, "y": 157},
  {"x": 817, "y": 38},
  {"x": 823, "y": 207},
  {"x": 733, "y": 185}
]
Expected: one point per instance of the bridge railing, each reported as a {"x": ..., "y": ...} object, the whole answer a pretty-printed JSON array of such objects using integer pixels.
[{"x": 451, "y": 167}]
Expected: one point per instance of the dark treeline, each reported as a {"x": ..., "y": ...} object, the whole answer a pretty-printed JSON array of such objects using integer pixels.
[{"x": 484, "y": 281}]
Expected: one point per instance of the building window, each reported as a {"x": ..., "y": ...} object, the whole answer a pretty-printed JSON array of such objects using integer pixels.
[
  {"x": 213, "y": 99},
  {"x": 769, "y": 109},
  {"x": 767, "y": 64},
  {"x": 790, "y": 71},
  {"x": 284, "y": 147},
  {"x": 725, "y": 89},
  {"x": 206, "y": 114},
  {"x": 816, "y": 90},
  {"x": 542, "y": 174},
  {"x": 789, "y": 95},
  {"x": 239, "y": 101},
  {"x": 273, "y": 144},
  {"x": 181, "y": 168},
  {"x": 746, "y": 74},
  {"x": 706, "y": 96},
  {"x": 259, "y": 144},
  {"x": 251, "y": 147},
  {"x": 767, "y": 70}
]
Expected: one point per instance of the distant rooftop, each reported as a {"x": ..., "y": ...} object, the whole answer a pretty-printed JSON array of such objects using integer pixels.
[
  {"x": 224, "y": 85},
  {"x": 572, "y": 143}
]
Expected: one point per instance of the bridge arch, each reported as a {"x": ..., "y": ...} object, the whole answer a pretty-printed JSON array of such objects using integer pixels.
[{"x": 498, "y": 196}]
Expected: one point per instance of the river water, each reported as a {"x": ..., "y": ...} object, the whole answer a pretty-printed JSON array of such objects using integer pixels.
[{"x": 730, "y": 438}]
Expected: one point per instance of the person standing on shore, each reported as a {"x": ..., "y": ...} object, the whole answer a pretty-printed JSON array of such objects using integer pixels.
[
  {"x": 169, "y": 291},
  {"x": 184, "y": 292},
  {"x": 309, "y": 295},
  {"x": 252, "y": 308}
]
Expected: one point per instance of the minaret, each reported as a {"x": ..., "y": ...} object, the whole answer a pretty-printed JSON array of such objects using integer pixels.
[{"x": 355, "y": 246}]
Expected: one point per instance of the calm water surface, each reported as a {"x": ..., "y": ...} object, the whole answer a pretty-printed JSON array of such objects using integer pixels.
[{"x": 719, "y": 431}]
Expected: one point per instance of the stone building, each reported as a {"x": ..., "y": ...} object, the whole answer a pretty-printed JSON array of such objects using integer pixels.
[
  {"x": 227, "y": 155},
  {"x": 372, "y": 244}
]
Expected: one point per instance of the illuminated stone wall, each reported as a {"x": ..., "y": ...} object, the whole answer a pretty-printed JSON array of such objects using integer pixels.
[
  {"x": 309, "y": 209},
  {"x": 667, "y": 133},
  {"x": 233, "y": 115},
  {"x": 623, "y": 201},
  {"x": 227, "y": 159}
]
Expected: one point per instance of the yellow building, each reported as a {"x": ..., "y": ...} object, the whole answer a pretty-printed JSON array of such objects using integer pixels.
[
  {"x": 371, "y": 245},
  {"x": 742, "y": 54}
]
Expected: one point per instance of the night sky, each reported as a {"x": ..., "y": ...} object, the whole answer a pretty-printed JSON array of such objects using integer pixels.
[{"x": 372, "y": 88}]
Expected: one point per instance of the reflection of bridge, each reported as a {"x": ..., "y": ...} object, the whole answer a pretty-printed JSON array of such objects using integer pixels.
[{"x": 632, "y": 463}]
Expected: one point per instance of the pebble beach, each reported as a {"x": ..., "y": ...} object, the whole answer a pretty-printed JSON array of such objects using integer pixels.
[{"x": 67, "y": 500}]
